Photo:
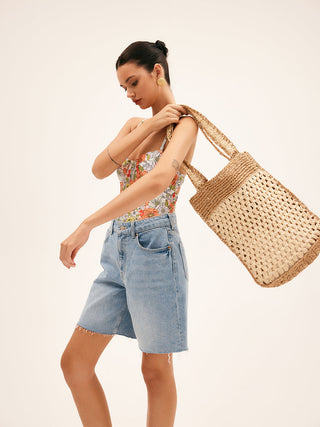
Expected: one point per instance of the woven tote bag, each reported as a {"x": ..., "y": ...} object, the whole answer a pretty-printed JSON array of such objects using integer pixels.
[{"x": 264, "y": 224}]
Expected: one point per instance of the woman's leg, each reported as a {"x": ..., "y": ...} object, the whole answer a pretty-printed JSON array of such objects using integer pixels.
[
  {"x": 157, "y": 370},
  {"x": 78, "y": 363}
]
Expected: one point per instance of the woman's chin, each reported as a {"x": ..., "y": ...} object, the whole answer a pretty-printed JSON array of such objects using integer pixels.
[{"x": 142, "y": 106}]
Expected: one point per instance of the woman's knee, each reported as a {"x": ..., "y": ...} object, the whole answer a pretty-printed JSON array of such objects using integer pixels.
[
  {"x": 80, "y": 356},
  {"x": 156, "y": 367},
  {"x": 76, "y": 371}
]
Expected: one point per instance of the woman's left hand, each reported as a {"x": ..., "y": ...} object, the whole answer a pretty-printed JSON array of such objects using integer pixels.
[{"x": 71, "y": 245}]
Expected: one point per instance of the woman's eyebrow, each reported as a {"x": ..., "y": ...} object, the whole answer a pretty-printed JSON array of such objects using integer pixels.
[{"x": 128, "y": 79}]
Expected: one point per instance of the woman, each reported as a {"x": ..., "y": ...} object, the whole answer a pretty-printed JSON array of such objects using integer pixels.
[{"x": 142, "y": 291}]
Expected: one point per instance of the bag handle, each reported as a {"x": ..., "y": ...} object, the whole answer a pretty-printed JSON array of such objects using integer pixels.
[{"x": 213, "y": 135}]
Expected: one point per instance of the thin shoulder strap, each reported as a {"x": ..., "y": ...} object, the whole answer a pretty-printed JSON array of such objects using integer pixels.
[{"x": 164, "y": 141}]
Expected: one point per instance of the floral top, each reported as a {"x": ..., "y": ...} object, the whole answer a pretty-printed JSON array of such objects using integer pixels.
[{"x": 131, "y": 170}]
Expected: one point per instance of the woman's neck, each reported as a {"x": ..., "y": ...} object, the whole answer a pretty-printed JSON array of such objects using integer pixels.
[{"x": 166, "y": 98}]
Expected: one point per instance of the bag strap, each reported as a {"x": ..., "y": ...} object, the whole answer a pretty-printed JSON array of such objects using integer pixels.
[{"x": 213, "y": 135}]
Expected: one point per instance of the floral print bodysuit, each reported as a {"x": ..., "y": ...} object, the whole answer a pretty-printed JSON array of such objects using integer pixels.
[{"x": 131, "y": 170}]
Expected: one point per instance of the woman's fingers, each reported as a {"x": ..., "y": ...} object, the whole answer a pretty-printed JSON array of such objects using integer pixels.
[
  {"x": 74, "y": 253},
  {"x": 184, "y": 111},
  {"x": 180, "y": 109},
  {"x": 65, "y": 255},
  {"x": 70, "y": 246}
]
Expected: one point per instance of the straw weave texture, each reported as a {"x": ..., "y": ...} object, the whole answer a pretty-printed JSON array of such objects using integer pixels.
[{"x": 266, "y": 226}]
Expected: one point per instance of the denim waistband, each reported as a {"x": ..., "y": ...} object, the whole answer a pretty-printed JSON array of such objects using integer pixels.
[{"x": 131, "y": 227}]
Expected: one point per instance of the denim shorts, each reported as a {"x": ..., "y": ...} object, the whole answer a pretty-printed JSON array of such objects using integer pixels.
[{"x": 142, "y": 291}]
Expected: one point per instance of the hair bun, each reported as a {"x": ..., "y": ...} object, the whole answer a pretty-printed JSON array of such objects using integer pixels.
[{"x": 160, "y": 45}]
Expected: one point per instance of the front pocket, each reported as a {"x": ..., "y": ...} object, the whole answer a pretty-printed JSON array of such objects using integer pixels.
[
  {"x": 184, "y": 260},
  {"x": 153, "y": 240}
]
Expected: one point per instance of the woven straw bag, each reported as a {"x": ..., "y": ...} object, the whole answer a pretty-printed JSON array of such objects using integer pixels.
[{"x": 264, "y": 224}]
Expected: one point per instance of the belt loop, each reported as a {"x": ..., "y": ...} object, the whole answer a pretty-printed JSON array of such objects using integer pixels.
[
  {"x": 132, "y": 230},
  {"x": 172, "y": 222}
]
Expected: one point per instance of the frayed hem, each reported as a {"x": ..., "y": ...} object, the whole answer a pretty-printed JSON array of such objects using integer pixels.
[
  {"x": 169, "y": 356},
  {"x": 88, "y": 331},
  {"x": 177, "y": 353}
]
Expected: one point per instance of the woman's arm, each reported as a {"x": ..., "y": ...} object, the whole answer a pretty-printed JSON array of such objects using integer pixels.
[
  {"x": 141, "y": 191},
  {"x": 154, "y": 182},
  {"x": 183, "y": 137},
  {"x": 122, "y": 145}
]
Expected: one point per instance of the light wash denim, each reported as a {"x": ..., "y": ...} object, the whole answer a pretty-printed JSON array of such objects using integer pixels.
[{"x": 142, "y": 291}]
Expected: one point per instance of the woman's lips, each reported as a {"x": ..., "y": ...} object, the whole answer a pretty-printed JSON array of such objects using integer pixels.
[{"x": 137, "y": 101}]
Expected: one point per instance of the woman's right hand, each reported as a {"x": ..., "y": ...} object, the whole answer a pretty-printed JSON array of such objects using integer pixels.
[{"x": 170, "y": 113}]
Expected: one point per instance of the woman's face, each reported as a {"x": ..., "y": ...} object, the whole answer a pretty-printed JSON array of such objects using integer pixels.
[{"x": 138, "y": 83}]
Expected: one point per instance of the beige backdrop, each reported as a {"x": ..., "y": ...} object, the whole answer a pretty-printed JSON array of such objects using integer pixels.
[{"x": 253, "y": 69}]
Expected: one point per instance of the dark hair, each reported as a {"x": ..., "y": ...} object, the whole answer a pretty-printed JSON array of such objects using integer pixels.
[{"x": 146, "y": 54}]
